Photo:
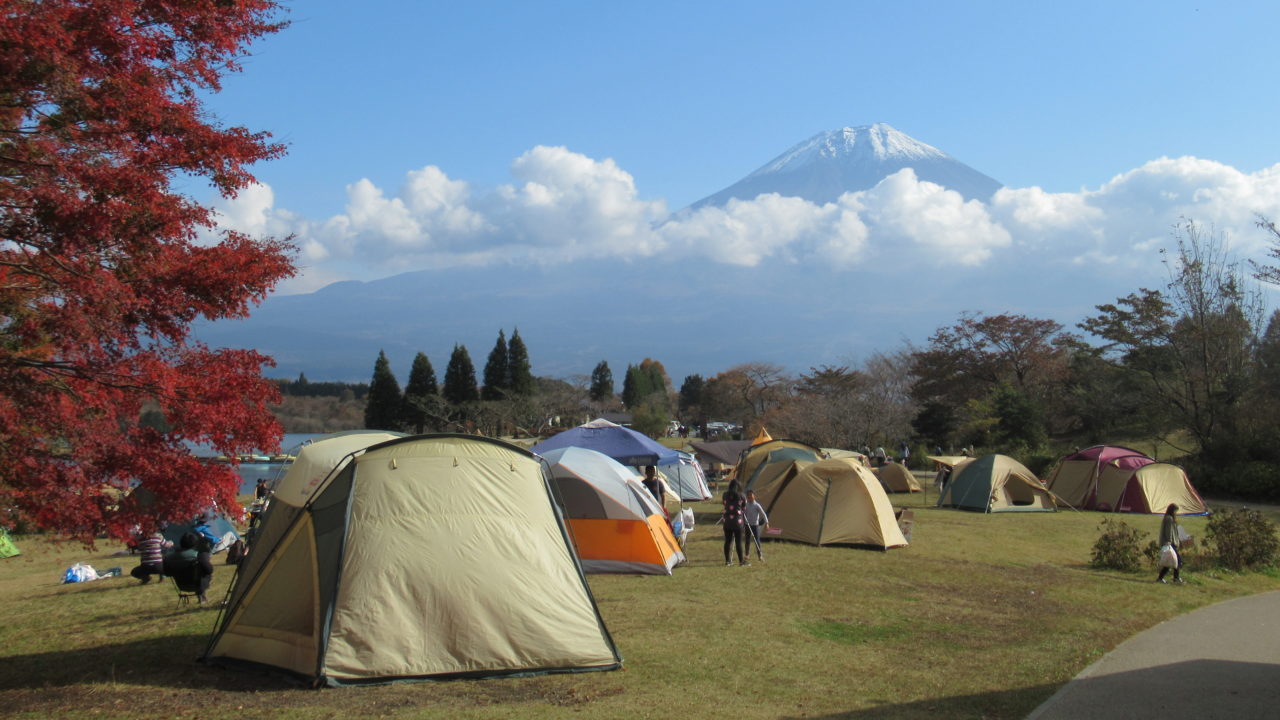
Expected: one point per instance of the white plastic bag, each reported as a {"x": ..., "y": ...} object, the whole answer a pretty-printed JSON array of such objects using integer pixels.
[
  {"x": 79, "y": 573},
  {"x": 1168, "y": 556}
]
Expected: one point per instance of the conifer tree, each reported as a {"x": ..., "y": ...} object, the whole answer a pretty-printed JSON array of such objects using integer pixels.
[
  {"x": 601, "y": 382},
  {"x": 637, "y": 386},
  {"x": 518, "y": 368},
  {"x": 497, "y": 378},
  {"x": 460, "y": 378},
  {"x": 382, "y": 407},
  {"x": 420, "y": 393}
]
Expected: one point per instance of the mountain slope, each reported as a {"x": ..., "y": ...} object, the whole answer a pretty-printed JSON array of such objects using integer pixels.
[{"x": 832, "y": 163}]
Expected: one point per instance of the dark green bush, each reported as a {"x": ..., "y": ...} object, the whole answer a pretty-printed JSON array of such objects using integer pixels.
[
  {"x": 1117, "y": 548},
  {"x": 1041, "y": 465},
  {"x": 1255, "y": 481},
  {"x": 1243, "y": 539}
]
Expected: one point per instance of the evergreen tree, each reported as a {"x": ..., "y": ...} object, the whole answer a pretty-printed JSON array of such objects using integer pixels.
[
  {"x": 497, "y": 375},
  {"x": 460, "y": 378},
  {"x": 382, "y": 407},
  {"x": 602, "y": 382},
  {"x": 520, "y": 372},
  {"x": 420, "y": 393},
  {"x": 637, "y": 386},
  {"x": 691, "y": 394}
]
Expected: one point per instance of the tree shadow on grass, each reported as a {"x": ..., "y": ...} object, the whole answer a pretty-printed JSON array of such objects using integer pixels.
[
  {"x": 1194, "y": 688},
  {"x": 1014, "y": 703},
  {"x": 168, "y": 662}
]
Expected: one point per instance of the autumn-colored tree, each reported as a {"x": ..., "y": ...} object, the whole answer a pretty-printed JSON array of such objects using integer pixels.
[
  {"x": 1192, "y": 345},
  {"x": 104, "y": 264},
  {"x": 966, "y": 363}
]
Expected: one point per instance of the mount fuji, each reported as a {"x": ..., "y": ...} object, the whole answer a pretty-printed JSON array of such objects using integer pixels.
[
  {"x": 695, "y": 315},
  {"x": 850, "y": 159}
]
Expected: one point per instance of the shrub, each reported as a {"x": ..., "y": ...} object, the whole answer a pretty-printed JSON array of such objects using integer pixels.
[
  {"x": 1243, "y": 539},
  {"x": 1040, "y": 464},
  {"x": 1117, "y": 548}
]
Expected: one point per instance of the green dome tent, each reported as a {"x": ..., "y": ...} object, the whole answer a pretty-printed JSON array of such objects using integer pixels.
[{"x": 996, "y": 483}]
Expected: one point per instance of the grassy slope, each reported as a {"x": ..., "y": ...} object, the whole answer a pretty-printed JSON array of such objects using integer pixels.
[{"x": 981, "y": 616}]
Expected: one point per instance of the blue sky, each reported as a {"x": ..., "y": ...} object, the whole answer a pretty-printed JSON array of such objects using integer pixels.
[{"x": 686, "y": 98}]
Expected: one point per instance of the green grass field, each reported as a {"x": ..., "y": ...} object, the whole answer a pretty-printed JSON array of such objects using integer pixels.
[{"x": 982, "y": 616}]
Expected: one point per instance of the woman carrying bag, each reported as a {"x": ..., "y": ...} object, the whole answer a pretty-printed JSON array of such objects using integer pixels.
[{"x": 1169, "y": 539}]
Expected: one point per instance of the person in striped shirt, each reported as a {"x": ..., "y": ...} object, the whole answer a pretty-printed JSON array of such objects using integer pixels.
[{"x": 151, "y": 548}]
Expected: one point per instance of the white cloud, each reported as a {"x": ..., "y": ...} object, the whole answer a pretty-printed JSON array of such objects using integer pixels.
[
  {"x": 564, "y": 206},
  {"x": 930, "y": 218}
]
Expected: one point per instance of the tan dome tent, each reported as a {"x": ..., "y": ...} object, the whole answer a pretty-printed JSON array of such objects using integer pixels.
[
  {"x": 1147, "y": 489},
  {"x": 761, "y": 464},
  {"x": 995, "y": 483},
  {"x": 897, "y": 478},
  {"x": 431, "y": 556},
  {"x": 312, "y": 465},
  {"x": 832, "y": 502}
]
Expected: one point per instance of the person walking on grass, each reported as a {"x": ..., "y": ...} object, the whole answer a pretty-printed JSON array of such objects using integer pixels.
[
  {"x": 733, "y": 517},
  {"x": 755, "y": 515},
  {"x": 1169, "y": 536}
]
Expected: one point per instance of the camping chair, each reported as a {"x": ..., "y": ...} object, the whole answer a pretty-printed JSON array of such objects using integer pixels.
[{"x": 186, "y": 578}]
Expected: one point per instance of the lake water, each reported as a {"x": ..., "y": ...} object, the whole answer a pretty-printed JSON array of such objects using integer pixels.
[{"x": 251, "y": 473}]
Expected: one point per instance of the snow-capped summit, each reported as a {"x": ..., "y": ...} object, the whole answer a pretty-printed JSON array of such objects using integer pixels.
[{"x": 832, "y": 163}]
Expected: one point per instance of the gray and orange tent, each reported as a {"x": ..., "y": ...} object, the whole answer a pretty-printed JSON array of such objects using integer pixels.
[
  {"x": 614, "y": 521},
  {"x": 424, "y": 557}
]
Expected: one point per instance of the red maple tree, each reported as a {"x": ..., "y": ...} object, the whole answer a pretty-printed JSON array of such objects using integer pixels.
[{"x": 104, "y": 264}]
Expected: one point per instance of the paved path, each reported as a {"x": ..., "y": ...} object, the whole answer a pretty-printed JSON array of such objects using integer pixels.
[{"x": 1221, "y": 661}]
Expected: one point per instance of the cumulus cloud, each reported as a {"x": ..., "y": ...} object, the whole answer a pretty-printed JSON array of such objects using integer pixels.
[{"x": 563, "y": 206}]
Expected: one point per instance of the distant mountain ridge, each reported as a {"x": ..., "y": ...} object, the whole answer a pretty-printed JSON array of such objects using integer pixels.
[{"x": 851, "y": 159}]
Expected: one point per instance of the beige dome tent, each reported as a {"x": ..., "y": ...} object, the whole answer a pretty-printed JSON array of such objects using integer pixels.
[
  {"x": 311, "y": 467},
  {"x": 423, "y": 557},
  {"x": 761, "y": 464},
  {"x": 995, "y": 483},
  {"x": 897, "y": 478},
  {"x": 832, "y": 502}
]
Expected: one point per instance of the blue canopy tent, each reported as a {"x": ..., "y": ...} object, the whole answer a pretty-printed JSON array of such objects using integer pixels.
[{"x": 620, "y": 443}]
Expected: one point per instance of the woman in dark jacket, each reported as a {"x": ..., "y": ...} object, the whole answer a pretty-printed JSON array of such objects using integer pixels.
[
  {"x": 734, "y": 520},
  {"x": 1169, "y": 536}
]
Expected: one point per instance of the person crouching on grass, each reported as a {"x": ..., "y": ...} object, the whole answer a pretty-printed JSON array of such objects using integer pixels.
[{"x": 755, "y": 515}]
